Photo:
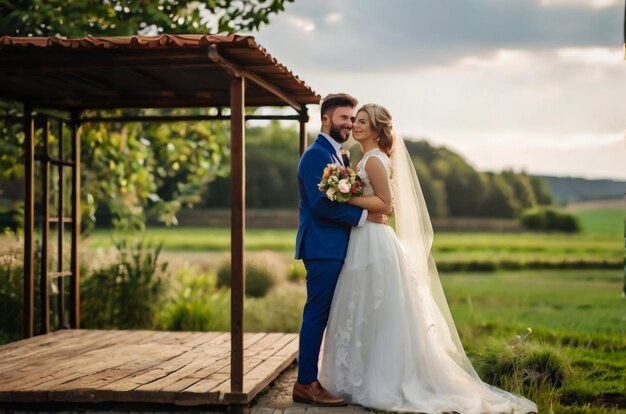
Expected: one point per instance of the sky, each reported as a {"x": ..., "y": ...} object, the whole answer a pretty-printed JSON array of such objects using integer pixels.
[{"x": 533, "y": 85}]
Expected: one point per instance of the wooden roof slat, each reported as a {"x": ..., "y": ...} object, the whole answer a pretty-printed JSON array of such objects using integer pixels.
[{"x": 128, "y": 65}]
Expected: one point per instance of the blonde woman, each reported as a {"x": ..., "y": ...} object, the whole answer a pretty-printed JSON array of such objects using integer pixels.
[{"x": 391, "y": 342}]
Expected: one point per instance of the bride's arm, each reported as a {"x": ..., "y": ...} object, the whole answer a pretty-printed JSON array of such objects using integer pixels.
[{"x": 381, "y": 202}]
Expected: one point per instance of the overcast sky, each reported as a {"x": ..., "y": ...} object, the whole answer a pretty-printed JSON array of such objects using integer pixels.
[{"x": 538, "y": 85}]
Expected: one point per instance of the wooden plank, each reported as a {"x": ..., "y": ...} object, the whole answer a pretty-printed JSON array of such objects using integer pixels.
[
  {"x": 66, "y": 347},
  {"x": 218, "y": 381},
  {"x": 260, "y": 366},
  {"x": 50, "y": 369},
  {"x": 198, "y": 391},
  {"x": 106, "y": 394},
  {"x": 117, "y": 379},
  {"x": 123, "y": 360},
  {"x": 18, "y": 347},
  {"x": 61, "y": 346},
  {"x": 263, "y": 374},
  {"x": 182, "y": 368},
  {"x": 126, "y": 358}
]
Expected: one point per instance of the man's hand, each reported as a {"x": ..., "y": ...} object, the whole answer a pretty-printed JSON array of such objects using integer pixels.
[{"x": 377, "y": 218}]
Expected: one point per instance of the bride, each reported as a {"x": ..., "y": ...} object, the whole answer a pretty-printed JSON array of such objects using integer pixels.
[{"x": 391, "y": 342}]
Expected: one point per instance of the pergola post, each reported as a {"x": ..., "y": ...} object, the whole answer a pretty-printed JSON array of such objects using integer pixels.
[
  {"x": 45, "y": 259},
  {"x": 74, "y": 260},
  {"x": 29, "y": 222},
  {"x": 303, "y": 140},
  {"x": 237, "y": 228}
]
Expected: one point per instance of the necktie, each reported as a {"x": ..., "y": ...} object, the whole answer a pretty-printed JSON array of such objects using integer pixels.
[{"x": 346, "y": 160}]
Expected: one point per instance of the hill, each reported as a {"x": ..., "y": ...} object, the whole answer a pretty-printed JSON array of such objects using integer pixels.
[{"x": 565, "y": 190}]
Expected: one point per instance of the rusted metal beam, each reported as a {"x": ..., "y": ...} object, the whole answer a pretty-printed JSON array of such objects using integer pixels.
[
  {"x": 45, "y": 262},
  {"x": 237, "y": 229},
  {"x": 184, "y": 118},
  {"x": 304, "y": 118},
  {"x": 28, "y": 317},
  {"x": 60, "y": 227},
  {"x": 74, "y": 263},
  {"x": 215, "y": 56},
  {"x": 54, "y": 59}
]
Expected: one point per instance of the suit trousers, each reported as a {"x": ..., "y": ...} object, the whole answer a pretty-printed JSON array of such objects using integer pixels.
[{"x": 321, "y": 279}]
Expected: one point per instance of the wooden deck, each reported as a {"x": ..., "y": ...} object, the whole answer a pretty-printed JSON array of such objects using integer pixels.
[{"x": 182, "y": 368}]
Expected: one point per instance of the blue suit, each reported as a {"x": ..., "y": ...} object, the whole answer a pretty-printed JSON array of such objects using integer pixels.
[{"x": 322, "y": 241}]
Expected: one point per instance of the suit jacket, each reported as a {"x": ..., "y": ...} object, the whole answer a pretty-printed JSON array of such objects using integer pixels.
[{"x": 324, "y": 227}]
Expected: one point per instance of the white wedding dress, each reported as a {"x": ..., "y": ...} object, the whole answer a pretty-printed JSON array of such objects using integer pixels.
[{"x": 390, "y": 344}]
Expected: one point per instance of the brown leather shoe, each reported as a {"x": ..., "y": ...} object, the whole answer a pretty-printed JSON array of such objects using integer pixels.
[{"x": 315, "y": 394}]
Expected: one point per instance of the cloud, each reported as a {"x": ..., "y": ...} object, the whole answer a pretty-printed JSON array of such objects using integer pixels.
[
  {"x": 301, "y": 23},
  {"x": 531, "y": 84},
  {"x": 333, "y": 18},
  {"x": 593, "y": 4},
  {"x": 377, "y": 35},
  {"x": 592, "y": 56}
]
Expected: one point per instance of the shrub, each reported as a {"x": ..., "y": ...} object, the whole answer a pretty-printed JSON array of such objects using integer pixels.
[
  {"x": 296, "y": 271},
  {"x": 197, "y": 304},
  {"x": 525, "y": 368},
  {"x": 11, "y": 277},
  {"x": 11, "y": 219},
  {"x": 259, "y": 278},
  {"x": 547, "y": 219},
  {"x": 279, "y": 311},
  {"x": 127, "y": 294}
]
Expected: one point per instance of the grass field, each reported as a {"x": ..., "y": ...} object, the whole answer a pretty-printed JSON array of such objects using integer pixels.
[
  {"x": 578, "y": 315},
  {"x": 450, "y": 249}
]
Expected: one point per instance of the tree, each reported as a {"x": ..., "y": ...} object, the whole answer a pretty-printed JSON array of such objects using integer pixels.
[
  {"x": 499, "y": 199},
  {"x": 522, "y": 189},
  {"x": 271, "y": 164},
  {"x": 77, "y": 18},
  {"x": 541, "y": 190},
  {"x": 151, "y": 170},
  {"x": 135, "y": 170}
]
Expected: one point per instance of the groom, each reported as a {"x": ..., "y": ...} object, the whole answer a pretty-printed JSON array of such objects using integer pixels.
[{"x": 322, "y": 241}]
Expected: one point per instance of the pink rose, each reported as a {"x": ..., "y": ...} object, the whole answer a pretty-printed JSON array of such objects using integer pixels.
[{"x": 344, "y": 186}]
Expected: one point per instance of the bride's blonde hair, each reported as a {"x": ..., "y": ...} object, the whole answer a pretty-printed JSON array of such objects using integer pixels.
[{"x": 380, "y": 119}]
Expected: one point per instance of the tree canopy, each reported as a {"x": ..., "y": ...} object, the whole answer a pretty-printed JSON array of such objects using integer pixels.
[
  {"x": 78, "y": 18},
  {"x": 136, "y": 171}
]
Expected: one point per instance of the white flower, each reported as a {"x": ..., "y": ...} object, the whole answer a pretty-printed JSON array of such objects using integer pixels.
[
  {"x": 330, "y": 193},
  {"x": 344, "y": 186}
]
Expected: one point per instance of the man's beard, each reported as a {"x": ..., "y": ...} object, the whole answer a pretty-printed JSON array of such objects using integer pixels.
[{"x": 335, "y": 133}]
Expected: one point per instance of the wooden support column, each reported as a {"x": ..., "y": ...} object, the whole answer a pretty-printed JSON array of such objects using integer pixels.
[
  {"x": 29, "y": 223},
  {"x": 45, "y": 261},
  {"x": 237, "y": 228},
  {"x": 304, "y": 118},
  {"x": 61, "y": 230},
  {"x": 74, "y": 261}
]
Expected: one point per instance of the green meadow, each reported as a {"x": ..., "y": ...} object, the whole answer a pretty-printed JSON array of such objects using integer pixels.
[{"x": 541, "y": 314}]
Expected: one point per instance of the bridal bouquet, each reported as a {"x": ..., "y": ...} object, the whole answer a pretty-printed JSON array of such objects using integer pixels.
[{"x": 340, "y": 183}]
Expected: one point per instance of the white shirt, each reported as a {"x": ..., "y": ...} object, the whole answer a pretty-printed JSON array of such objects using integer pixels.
[{"x": 337, "y": 147}]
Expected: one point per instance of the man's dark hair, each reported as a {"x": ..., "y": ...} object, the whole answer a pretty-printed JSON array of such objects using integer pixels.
[{"x": 335, "y": 100}]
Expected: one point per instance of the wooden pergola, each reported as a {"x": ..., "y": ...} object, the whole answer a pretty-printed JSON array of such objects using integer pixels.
[{"x": 58, "y": 79}]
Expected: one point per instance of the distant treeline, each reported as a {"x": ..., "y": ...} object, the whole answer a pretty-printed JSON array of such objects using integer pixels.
[
  {"x": 451, "y": 186},
  {"x": 573, "y": 189}
]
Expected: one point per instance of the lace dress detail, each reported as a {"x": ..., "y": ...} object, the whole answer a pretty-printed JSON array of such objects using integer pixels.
[
  {"x": 381, "y": 349},
  {"x": 368, "y": 190}
]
